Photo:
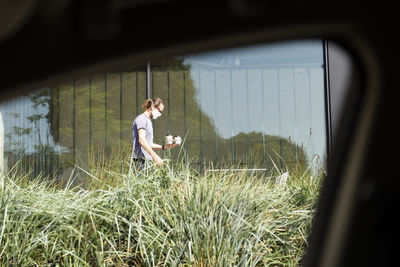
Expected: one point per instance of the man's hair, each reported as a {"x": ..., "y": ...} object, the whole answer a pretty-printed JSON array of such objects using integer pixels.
[{"x": 156, "y": 101}]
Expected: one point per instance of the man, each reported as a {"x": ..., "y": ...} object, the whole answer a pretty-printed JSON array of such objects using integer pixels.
[{"x": 143, "y": 146}]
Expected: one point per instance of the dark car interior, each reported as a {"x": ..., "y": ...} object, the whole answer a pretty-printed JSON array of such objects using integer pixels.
[{"x": 45, "y": 41}]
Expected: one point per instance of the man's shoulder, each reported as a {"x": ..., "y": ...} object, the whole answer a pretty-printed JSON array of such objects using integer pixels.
[{"x": 141, "y": 118}]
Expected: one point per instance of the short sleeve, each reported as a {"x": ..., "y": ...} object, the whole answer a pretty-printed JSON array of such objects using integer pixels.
[{"x": 141, "y": 123}]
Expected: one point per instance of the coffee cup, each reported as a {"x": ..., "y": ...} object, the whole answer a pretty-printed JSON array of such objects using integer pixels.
[
  {"x": 169, "y": 139},
  {"x": 177, "y": 139}
]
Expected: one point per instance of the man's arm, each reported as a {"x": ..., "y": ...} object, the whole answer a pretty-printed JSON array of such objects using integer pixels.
[
  {"x": 156, "y": 147},
  {"x": 160, "y": 147},
  {"x": 148, "y": 148}
]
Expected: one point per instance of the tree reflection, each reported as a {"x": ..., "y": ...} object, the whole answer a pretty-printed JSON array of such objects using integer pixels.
[{"x": 95, "y": 114}]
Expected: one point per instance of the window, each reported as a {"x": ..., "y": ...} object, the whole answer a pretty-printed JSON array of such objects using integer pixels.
[{"x": 250, "y": 107}]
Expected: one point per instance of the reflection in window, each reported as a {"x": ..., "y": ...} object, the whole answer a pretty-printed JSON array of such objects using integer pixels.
[
  {"x": 54, "y": 129},
  {"x": 256, "y": 107}
]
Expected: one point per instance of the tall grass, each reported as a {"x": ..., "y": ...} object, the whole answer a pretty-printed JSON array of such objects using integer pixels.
[{"x": 159, "y": 217}]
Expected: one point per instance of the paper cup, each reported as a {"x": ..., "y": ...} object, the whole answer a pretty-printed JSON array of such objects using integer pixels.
[
  {"x": 169, "y": 139},
  {"x": 177, "y": 140}
]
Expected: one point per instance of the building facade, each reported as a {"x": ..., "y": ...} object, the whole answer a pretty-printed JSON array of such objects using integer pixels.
[{"x": 254, "y": 107}]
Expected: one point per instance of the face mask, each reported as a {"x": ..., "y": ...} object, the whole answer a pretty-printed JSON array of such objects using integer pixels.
[{"x": 156, "y": 114}]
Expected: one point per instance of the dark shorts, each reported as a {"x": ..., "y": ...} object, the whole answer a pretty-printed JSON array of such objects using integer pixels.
[{"x": 139, "y": 164}]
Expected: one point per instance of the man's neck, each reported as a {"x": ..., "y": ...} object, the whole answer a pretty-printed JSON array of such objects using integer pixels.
[{"x": 148, "y": 114}]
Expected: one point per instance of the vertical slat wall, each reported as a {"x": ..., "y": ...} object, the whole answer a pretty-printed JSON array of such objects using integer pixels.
[
  {"x": 82, "y": 121},
  {"x": 249, "y": 116},
  {"x": 266, "y": 112},
  {"x": 176, "y": 107},
  {"x": 69, "y": 118}
]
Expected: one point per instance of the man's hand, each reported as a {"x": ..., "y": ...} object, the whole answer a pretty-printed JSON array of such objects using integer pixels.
[
  {"x": 146, "y": 146},
  {"x": 158, "y": 160},
  {"x": 170, "y": 146}
]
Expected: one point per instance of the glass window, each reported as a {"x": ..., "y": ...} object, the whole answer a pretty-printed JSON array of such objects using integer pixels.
[
  {"x": 253, "y": 107},
  {"x": 54, "y": 129}
]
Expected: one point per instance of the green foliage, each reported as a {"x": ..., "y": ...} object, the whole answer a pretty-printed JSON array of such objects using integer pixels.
[{"x": 167, "y": 216}]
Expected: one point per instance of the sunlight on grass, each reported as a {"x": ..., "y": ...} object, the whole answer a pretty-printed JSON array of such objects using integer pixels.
[{"x": 175, "y": 215}]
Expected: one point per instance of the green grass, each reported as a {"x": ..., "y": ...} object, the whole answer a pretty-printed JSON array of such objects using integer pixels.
[{"x": 166, "y": 217}]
